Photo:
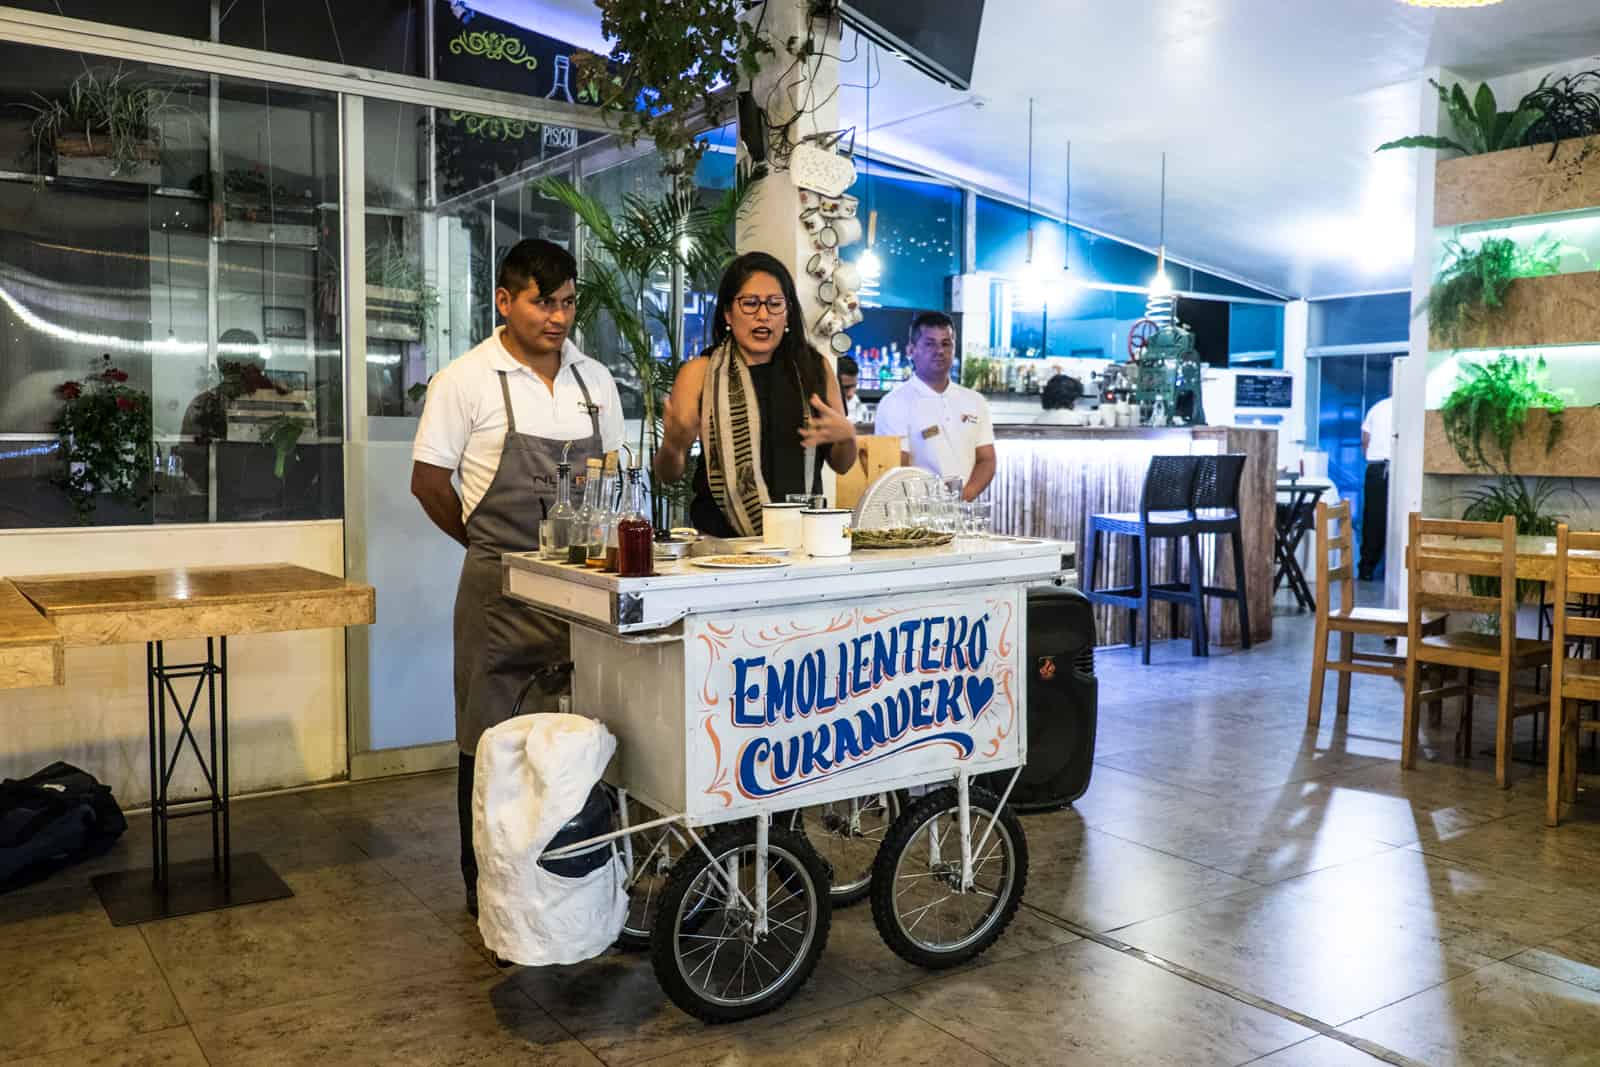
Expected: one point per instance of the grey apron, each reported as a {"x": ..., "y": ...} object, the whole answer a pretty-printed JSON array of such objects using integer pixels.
[{"x": 500, "y": 642}]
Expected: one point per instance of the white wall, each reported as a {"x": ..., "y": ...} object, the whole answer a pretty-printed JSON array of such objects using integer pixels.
[{"x": 286, "y": 691}]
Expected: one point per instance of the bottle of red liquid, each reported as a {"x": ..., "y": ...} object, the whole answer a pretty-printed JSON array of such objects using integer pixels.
[{"x": 636, "y": 550}]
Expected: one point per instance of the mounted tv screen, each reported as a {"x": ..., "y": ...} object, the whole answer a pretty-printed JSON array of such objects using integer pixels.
[{"x": 938, "y": 37}]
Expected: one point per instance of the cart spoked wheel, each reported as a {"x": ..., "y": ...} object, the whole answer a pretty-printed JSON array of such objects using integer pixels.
[
  {"x": 919, "y": 904},
  {"x": 654, "y": 853},
  {"x": 847, "y": 834},
  {"x": 708, "y": 954}
]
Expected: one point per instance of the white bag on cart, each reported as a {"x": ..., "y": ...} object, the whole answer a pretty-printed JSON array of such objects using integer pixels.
[{"x": 534, "y": 773}]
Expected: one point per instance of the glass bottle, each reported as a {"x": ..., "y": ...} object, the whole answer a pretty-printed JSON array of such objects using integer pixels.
[
  {"x": 603, "y": 516},
  {"x": 555, "y": 532},
  {"x": 578, "y": 548},
  {"x": 635, "y": 536}
]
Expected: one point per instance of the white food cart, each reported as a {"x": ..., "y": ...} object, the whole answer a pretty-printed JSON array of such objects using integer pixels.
[{"x": 766, "y": 703}]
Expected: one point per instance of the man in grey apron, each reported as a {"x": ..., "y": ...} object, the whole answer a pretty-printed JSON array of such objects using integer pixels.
[{"x": 500, "y": 644}]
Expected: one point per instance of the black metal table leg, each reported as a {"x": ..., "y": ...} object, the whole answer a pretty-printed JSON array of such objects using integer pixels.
[{"x": 168, "y": 889}]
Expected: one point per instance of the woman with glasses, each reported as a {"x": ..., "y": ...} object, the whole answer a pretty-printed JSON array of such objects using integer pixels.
[{"x": 764, "y": 405}]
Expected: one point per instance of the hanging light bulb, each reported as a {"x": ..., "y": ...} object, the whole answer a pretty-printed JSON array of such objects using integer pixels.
[
  {"x": 868, "y": 262},
  {"x": 1161, "y": 307}
]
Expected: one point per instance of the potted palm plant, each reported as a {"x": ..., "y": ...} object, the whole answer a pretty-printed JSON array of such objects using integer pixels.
[{"x": 626, "y": 251}]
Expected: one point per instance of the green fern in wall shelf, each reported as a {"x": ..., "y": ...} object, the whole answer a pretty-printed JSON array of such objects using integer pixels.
[
  {"x": 1473, "y": 281},
  {"x": 1493, "y": 399}
]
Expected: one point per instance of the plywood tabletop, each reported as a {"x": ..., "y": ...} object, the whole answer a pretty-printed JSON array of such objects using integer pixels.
[
  {"x": 1536, "y": 556},
  {"x": 120, "y": 607},
  {"x": 30, "y": 645}
]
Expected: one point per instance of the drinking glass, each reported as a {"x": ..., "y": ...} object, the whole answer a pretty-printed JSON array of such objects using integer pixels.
[
  {"x": 980, "y": 518},
  {"x": 897, "y": 514}
]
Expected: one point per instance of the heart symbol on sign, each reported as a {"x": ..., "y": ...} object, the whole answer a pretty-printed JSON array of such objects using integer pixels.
[{"x": 980, "y": 691}]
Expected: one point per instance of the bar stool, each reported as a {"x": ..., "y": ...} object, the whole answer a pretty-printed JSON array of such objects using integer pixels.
[
  {"x": 1335, "y": 540},
  {"x": 1165, "y": 512},
  {"x": 1502, "y": 653},
  {"x": 1216, "y": 511},
  {"x": 1571, "y": 680}
]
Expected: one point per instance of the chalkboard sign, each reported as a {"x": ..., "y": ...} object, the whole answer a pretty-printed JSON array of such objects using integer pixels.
[{"x": 1263, "y": 391}]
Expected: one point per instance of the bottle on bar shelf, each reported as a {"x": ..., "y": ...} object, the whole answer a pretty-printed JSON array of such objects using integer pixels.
[
  {"x": 556, "y": 530},
  {"x": 578, "y": 547},
  {"x": 604, "y": 514}
]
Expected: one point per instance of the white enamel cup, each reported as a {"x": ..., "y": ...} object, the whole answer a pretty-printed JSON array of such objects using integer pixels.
[
  {"x": 780, "y": 524},
  {"x": 826, "y": 531}
]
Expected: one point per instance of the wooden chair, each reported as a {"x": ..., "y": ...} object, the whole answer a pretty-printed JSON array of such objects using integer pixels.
[
  {"x": 1502, "y": 654},
  {"x": 1335, "y": 552},
  {"x": 1571, "y": 680}
]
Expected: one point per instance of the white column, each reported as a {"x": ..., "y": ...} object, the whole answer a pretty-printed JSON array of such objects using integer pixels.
[
  {"x": 771, "y": 220},
  {"x": 1411, "y": 373},
  {"x": 1296, "y": 337}
]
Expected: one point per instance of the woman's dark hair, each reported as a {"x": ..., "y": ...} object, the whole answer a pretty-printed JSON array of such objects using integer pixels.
[
  {"x": 1061, "y": 391},
  {"x": 793, "y": 347},
  {"x": 544, "y": 263}
]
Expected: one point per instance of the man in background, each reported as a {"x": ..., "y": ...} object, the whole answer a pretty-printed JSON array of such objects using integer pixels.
[
  {"x": 1377, "y": 442},
  {"x": 849, "y": 374},
  {"x": 944, "y": 428}
]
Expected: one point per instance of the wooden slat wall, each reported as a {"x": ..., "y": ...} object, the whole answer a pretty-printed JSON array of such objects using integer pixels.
[{"x": 1048, "y": 487}]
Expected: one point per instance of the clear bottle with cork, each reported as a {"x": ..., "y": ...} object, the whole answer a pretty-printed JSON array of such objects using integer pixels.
[
  {"x": 556, "y": 529},
  {"x": 578, "y": 549},
  {"x": 636, "y": 548},
  {"x": 604, "y": 516}
]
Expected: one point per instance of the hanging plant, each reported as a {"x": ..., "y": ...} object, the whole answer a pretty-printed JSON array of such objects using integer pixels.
[
  {"x": 105, "y": 430},
  {"x": 105, "y": 113},
  {"x": 670, "y": 68},
  {"x": 1493, "y": 400},
  {"x": 1473, "y": 281}
]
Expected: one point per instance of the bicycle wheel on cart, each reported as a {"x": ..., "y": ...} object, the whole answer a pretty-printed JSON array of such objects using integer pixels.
[
  {"x": 707, "y": 954},
  {"x": 918, "y": 903},
  {"x": 846, "y": 834},
  {"x": 654, "y": 854}
]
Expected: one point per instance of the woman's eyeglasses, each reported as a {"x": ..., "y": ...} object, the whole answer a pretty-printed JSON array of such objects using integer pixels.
[{"x": 775, "y": 305}]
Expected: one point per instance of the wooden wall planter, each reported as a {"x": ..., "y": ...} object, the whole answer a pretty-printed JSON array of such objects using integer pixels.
[
  {"x": 1558, "y": 309},
  {"x": 1576, "y": 455},
  {"x": 1518, "y": 182}
]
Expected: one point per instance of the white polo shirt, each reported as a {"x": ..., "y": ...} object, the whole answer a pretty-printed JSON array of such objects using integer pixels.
[
  {"x": 942, "y": 431},
  {"x": 463, "y": 426},
  {"x": 1379, "y": 426}
]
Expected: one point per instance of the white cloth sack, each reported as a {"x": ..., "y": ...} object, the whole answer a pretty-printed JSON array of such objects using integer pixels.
[{"x": 534, "y": 773}]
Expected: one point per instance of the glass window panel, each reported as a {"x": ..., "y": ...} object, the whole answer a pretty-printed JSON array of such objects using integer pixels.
[
  {"x": 216, "y": 296},
  {"x": 918, "y": 239},
  {"x": 384, "y": 35}
]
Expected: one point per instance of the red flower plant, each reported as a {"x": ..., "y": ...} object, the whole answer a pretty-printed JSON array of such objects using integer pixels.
[
  {"x": 126, "y": 403},
  {"x": 112, "y": 374},
  {"x": 69, "y": 390}
]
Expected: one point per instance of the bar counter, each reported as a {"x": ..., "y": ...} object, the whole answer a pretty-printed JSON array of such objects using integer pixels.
[{"x": 1049, "y": 479}]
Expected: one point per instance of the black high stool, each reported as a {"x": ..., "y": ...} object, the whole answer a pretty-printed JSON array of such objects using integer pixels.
[
  {"x": 1216, "y": 511},
  {"x": 1166, "y": 512}
]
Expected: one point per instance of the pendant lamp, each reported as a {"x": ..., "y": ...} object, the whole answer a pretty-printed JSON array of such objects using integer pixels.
[
  {"x": 868, "y": 263},
  {"x": 1161, "y": 306},
  {"x": 1066, "y": 222}
]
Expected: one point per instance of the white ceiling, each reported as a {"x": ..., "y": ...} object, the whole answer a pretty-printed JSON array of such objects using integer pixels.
[{"x": 1269, "y": 111}]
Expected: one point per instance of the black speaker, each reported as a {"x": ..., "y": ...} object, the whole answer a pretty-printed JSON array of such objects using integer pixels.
[{"x": 1063, "y": 703}]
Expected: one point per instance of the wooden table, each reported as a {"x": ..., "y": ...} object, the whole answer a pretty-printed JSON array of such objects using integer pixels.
[
  {"x": 211, "y": 603},
  {"x": 31, "y": 651},
  {"x": 1536, "y": 556}
]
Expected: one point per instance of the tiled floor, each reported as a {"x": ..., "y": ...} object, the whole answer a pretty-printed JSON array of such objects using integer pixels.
[{"x": 1232, "y": 889}]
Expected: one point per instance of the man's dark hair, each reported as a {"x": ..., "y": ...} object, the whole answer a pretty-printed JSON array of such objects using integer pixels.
[
  {"x": 1061, "y": 391},
  {"x": 537, "y": 262},
  {"x": 847, "y": 365},
  {"x": 929, "y": 320}
]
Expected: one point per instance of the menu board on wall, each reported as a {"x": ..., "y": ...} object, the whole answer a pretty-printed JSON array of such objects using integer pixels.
[{"x": 1263, "y": 391}]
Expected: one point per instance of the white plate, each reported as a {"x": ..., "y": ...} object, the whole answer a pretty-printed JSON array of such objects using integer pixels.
[
  {"x": 721, "y": 563},
  {"x": 766, "y": 550}
]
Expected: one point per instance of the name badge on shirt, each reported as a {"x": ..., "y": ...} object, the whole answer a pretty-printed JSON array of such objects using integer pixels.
[
  {"x": 588, "y": 409},
  {"x": 930, "y": 433}
]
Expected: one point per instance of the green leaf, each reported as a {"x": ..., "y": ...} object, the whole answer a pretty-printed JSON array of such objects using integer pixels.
[{"x": 1421, "y": 141}]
